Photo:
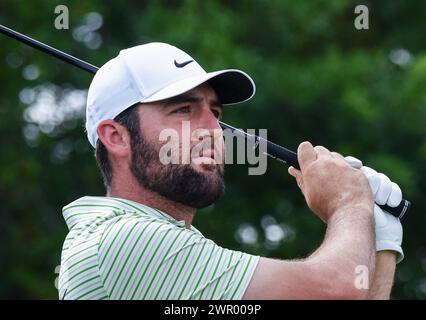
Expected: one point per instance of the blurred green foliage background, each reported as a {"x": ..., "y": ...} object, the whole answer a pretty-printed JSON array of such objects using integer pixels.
[{"x": 359, "y": 92}]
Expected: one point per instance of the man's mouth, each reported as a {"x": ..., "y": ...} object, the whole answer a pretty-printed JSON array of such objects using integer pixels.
[{"x": 205, "y": 157}]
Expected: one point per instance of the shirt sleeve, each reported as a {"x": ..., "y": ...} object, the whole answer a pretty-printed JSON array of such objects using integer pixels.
[{"x": 153, "y": 259}]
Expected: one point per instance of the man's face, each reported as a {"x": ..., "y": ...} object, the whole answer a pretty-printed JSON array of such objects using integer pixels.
[{"x": 198, "y": 183}]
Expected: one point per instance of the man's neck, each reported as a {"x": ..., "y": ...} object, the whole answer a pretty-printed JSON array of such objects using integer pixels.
[{"x": 134, "y": 192}]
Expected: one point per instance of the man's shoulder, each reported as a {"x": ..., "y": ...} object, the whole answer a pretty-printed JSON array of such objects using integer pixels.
[
  {"x": 90, "y": 218},
  {"x": 98, "y": 225},
  {"x": 101, "y": 209}
]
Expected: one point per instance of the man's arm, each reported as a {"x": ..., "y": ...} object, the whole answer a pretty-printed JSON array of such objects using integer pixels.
[
  {"x": 329, "y": 273},
  {"x": 389, "y": 253},
  {"x": 381, "y": 285},
  {"x": 388, "y": 230},
  {"x": 340, "y": 196}
]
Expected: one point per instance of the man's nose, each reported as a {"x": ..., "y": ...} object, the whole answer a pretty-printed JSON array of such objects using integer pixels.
[
  {"x": 208, "y": 126},
  {"x": 208, "y": 120}
]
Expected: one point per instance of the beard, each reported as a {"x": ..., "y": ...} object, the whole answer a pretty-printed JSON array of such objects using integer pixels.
[{"x": 177, "y": 182}]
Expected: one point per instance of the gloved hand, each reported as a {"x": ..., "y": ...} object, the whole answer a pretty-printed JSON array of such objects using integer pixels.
[{"x": 388, "y": 228}]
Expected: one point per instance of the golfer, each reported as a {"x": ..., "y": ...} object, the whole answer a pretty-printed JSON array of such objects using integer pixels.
[{"x": 138, "y": 241}]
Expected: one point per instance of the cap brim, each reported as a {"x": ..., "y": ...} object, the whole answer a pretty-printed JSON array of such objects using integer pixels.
[{"x": 231, "y": 86}]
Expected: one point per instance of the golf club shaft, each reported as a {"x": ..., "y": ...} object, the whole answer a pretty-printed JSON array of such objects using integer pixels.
[
  {"x": 272, "y": 150},
  {"x": 48, "y": 49}
]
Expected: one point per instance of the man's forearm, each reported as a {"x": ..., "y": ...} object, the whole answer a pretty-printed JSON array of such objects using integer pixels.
[
  {"x": 349, "y": 243},
  {"x": 381, "y": 285}
]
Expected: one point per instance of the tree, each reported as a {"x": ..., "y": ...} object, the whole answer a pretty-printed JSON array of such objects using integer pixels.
[{"x": 359, "y": 92}]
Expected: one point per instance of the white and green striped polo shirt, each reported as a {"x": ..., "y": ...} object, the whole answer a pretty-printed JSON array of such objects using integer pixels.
[{"x": 120, "y": 249}]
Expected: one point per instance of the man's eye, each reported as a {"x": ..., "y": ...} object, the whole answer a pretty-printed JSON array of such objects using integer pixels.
[
  {"x": 185, "y": 109},
  {"x": 216, "y": 113}
]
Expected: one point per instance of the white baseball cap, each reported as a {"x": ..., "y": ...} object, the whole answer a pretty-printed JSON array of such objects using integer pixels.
[{"x": 153, "y": 72}]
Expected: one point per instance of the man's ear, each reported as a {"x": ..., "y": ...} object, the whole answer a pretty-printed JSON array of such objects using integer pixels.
[{"x": 115, "y": 138}]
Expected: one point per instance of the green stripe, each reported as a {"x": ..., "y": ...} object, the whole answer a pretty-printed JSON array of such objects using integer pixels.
[
  {"x": 192, "y": 271},
  {"x": 141, "y": 255},
  {"x": 230, "y": 279},
  {"x": 117, "y": 255},
  {"x": 76, "y": 253},
  {"x": 88, "y": 292},
  {"x": 70, "y": 217},
  {"x": 150, "y": 260},
  {"x": 139, "y": 208},
  {"x": 158, "y": 269},
  {"x": 85, "y": 213},
  {"x": 217, "y": 283},
  {"x": 204, "y": 270},
  {"x": 217, "y": 265},
  {"x": 77, "y": 274},
  {"x": 119, "y": 250},
  {"x": 128, "y": 257},
  {"x": 88, "y": 199},
  {"x": 84, "y": 242},
  {"x": 79, "y": 261},
  {"x": 241, "y": 279},
  {"x": 127, "y": 203},
  {"x": 90, "y": 205},
  {"x": 81, "y": 283},
  {"x": 180, "y": 271},
  {"x": 170, "y": 269},
  {"x": 111, "y": 243}
]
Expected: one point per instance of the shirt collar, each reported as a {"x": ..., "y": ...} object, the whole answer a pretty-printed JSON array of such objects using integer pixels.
[{"x": 89, "y": 207}]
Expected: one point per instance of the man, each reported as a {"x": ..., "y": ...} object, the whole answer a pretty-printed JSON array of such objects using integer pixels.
[{"x": 138, "y": 242}]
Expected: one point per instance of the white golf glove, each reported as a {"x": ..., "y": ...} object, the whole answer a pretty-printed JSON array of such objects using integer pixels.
[{"x": 388, "y": 227}]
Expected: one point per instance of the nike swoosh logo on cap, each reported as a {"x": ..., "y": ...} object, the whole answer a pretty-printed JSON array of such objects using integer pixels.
[{"x": 181, "y": 65}]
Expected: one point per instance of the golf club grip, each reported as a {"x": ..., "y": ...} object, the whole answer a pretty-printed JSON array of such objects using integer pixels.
[{"x": 290, "y": 158}]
